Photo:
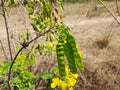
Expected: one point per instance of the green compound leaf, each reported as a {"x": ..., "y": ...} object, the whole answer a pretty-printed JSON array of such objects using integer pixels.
[
  {"x": 61, "y": 4},
  {"x": 60, "y": 57},
  {"x": 78, "y": 60},
  {"x": 70, "y": 57},
  {"x": 31, "y": 10},
  {"x": 35, "y": 28},
  {"x": 46, "y": 8},
  {"x": 46, "y": 75},
  {"x": 16, "y": 80}
]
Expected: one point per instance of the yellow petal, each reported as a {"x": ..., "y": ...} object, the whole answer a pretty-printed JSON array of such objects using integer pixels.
[
  {"x": 71, "y": 81},
  {"x": 50, "y": 44},
  {"x": 56, "y": 81},
  {"x": 75, "y": 76},
  {"x": 81, "y": 54},
  {"x": 53, "y": 85},
  {"x": 63, "y": 85},
  {"x": 70, "y": 88}
]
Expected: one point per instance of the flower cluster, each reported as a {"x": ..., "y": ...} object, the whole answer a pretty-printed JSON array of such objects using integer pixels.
[{"x": 67, "y": 83}]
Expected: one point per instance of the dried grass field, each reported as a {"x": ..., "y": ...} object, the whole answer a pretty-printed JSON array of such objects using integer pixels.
[{"x": 97, "y": 35}]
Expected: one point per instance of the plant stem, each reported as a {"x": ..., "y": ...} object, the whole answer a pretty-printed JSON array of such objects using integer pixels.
[
  {"x": 117, "y": 7},
  {"x": 24, "y": 45},
  {"x": 7, "y": 30},
  {"x": 116, "y": 19},
  {"x": 10, "y": 69}
]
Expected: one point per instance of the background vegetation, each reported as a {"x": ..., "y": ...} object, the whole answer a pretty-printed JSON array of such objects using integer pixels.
[{"x": 45, "y": 47}]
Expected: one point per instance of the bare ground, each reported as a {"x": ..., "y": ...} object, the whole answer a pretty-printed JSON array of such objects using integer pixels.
[{"x": 102, "y": 63}]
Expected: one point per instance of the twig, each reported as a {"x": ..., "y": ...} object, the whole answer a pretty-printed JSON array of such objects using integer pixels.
[
  {"x": 41, "y": 35},
  {"x": 24, "y": 45},
  {"x": 10, "y": 69},
  {"x": 117, "y": 7},
  {"x": 4, "y": 51},
  {"x": 7, "y": 30},
  {"x": 110, "y": 12},
  {"x": 36, "y": 10}
]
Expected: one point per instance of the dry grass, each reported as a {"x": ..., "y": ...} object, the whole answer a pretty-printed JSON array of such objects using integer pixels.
[
  {"x": 104, "y": 39},
  {"x": 98, "y": 38},
  {"x": 102, "y": 72}
]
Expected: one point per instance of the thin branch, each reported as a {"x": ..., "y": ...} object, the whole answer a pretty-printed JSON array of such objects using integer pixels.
[
  {"x": 7, "y": 30},
  {"x": 36, "y": 10},
  {"x": 10, "y": 69},
  {"x": 40, "y": 35},
  {"x": 117, "y": 7},
  {"x": 24, "y": 45},
  {"x": 110, "y": 12}
]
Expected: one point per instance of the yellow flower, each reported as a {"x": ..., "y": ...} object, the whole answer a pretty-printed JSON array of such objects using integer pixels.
[
  {"x": 50, "y": 44},
  {"x": 53, "y": 85},
  {"x": 75, "y": 75},
  {"x": 71, "y": 82},
  {"x": 63, "y": 85},
  {"x": 70, "y": 88},
  {"x": 58, "y": 82},
  {"x": 55, "y": 79},
  {"x": 81, "y": 54},
  {"x": 55, "y": 82},
  {"x": 68, "y": 82}
]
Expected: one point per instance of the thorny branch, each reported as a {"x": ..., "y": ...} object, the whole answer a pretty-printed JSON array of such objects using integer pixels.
[
  {"x": 6, "y": 26},
  {"x": 110, "y": 12},
  {"x": 24, "y": 45}
]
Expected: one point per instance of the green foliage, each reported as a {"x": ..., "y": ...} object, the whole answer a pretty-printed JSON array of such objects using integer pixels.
[
  {"x": 61, "y": 4},
  {"x": 22, "y": 77},
  {"x": 23, "y": 80},
  {"x": 46, "y": 75},
  {"x": 42, "y": 21},
  {"x": 43, "y": 17},
  {"x": 12, "y": 1}
]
